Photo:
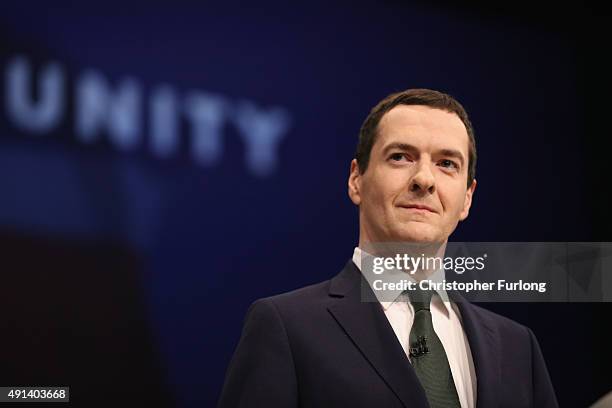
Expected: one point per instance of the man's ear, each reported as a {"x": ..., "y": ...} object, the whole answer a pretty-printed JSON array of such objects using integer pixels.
[
  {"x": 467, "y": 203},
  {"x": 354, "y": 183}
]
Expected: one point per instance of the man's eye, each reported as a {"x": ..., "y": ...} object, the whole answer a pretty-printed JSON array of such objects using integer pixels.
[
  {"x": 449, "y": 164},
  {"x": 397, "y": 156}
]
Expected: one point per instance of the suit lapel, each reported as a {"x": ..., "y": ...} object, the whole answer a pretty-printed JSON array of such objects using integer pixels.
[
  {"x": 484, "y": 345},
  {"x": 367, "y": 326}
]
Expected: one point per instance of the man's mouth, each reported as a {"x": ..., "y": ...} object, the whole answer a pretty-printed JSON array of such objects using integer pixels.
[{"x": 418, "y": 208}]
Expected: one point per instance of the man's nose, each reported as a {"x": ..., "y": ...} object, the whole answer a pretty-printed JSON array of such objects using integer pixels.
[{"x": 423, "y": 180}]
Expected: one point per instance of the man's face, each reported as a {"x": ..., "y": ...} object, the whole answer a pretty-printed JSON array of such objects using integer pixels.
[{"x": 415, "y": 185}]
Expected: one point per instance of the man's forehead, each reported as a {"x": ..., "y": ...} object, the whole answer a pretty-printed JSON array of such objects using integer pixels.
[{"x": 417, "y": 122}]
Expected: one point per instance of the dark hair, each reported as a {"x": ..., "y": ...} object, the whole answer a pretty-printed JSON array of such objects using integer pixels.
[{"x": 424, "y": 97}]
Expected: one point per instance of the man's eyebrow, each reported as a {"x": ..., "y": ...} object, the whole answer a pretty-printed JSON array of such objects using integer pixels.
[
  {"x": 410, "y": 148},
  {"x": 399, "y": 146}
]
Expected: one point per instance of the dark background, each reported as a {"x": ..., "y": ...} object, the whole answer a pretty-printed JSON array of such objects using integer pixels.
[{"x": 128, "y": 276}]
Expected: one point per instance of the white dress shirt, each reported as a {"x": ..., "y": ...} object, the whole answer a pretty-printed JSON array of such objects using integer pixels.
[{"x": 447, "y": 324}]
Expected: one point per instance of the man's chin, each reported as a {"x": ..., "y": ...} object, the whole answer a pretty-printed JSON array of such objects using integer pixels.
[{"x": 419, "y": 233}]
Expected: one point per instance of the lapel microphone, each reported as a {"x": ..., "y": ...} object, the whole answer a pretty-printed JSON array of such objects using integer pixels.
[{"x": 419, "y": 348}]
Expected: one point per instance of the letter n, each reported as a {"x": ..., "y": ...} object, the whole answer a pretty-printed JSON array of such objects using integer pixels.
[{"x": 118, "y": 112}]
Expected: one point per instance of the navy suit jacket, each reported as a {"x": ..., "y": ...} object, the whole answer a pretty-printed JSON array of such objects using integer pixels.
[{"x": 321, "y": 346}]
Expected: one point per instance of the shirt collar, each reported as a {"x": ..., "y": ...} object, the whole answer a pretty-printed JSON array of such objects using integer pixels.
[{"x": 437, "y": 276}]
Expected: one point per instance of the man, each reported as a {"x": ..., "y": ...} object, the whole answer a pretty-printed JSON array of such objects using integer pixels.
[{"x": 323, "y": 346}]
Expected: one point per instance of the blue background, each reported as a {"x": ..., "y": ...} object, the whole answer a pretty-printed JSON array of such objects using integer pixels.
[{"x": 149, "y": 264}]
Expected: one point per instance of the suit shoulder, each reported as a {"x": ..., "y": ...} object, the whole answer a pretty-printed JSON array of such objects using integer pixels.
[
  {"x": 303, "y": 295},
  {"x": 296, "y": 302},
  {"x": 501, "y": 322}
]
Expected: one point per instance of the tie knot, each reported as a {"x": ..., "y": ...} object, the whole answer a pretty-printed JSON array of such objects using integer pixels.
[{"x": 420, "y": 299}]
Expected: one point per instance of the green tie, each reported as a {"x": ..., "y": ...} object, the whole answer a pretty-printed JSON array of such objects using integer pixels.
[{"x": 428, "y": 357}]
